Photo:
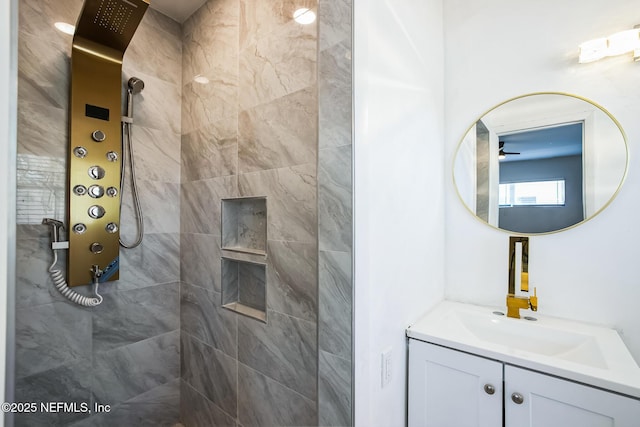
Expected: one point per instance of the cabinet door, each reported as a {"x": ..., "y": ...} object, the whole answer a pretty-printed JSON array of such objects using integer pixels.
[
  {"x": 553, "y": 402},
  {"x": 447, "y": 388}
]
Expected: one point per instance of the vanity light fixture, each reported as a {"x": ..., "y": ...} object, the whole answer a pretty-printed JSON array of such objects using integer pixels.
[
  {"x": 616, "y": 44},
  {"x": 304, "y": 16},
  {"x": 65, "y": 28}
]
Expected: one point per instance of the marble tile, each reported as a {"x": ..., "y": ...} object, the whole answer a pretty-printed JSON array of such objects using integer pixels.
[
  {"x": 335, "y": 305},
  {"x": 230, "y": 282},
  {"x": 292, "y": 279},
  {"x": 154, "y": 51},
  {"x": 200, "y": 260},
  {"x": 291, "y": 200},
  {"x": 335, "y": 210},
  {"x": 206, "y": 104},
  {"x": 284, "y": 350},
  {"x": 41, "y": 188},
  {"x": 126, "y": 317},
  {"x": 280, "y": 133},
  {"x": 33, "y": 283},
  {"x": 278, "y": 64},
  {"x": 155, "y": 261},
  {"x": 160, "y": 203},
  {"x": 335, "y": 96},
  {"x": 210, "y": 14},
  {"x": 162, "y": 22},
  {"x": 32, "y": 231},
  {"x": 244, "y": 223},
  {"x": 265, "y": 402},
  {"x": 210, "y": 42},
  {"x": 198, "y": 411},
  {"x": 67, "y": 383},
  {"x": 129, "y": 371},
  {"x": 43, "y": 70},
  {"x": 157, "y": 154},
  {"x": 202, "y": 316},
  {"x": 259, "y": 19},
  {"x": 251, "y": 285},
  {"x": 210, "y": 151},
  {"x": 158, "y": 105},
  {"x": 43, "y": 131},
  {"x": 200, "y": 204},
  {"x": 335, "y": 22},
  {"x": 158, "y": 407},
  {"x": 210, "y": 372},
  {"x": 334, "y": 391},
  {"x": 51, "y": 335},
  {"x": 37, "y": 16}
]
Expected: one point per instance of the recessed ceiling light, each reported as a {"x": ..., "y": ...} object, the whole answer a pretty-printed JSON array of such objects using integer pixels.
[
  {"x": 304, "y": 16},
  {"x": 65, "y": 28},
  {"x": 201, "y": 79}
]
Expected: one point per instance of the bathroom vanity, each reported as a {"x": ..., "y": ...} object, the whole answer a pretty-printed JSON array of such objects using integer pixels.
[{"x": 471, "y": 367}]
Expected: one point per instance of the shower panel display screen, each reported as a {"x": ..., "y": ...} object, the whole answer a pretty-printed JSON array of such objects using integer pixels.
[{"x": 96, "y": 112}]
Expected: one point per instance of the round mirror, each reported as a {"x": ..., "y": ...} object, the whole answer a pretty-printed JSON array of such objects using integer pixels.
[{"x": 541, "y": 163}]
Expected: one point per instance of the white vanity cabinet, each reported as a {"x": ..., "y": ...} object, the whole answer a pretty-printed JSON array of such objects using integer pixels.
[{"x": 450, "y": 388}]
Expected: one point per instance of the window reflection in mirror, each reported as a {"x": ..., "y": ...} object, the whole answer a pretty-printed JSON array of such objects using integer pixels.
[{"x": 540, "y": 163}]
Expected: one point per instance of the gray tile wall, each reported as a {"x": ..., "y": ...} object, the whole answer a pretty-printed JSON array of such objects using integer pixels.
[
  {"x": 125, "y": 352},
  {"x": 335, "y": 210},
  {"x": 275, "y": 121},
  {"x": 252, "y": 131}
]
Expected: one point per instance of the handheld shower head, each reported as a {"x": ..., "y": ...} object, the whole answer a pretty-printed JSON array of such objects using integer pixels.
[{"x": 135, "y": 85}]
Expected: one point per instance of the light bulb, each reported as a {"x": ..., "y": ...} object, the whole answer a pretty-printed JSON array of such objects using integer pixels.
[
  {"x": 65, "y": 28},
  {"x": 593, "y": 50},
  {"x": 201, "y": 79},
  {"x": 623, "y": 42},
  {"x": 304, "y": 16}
]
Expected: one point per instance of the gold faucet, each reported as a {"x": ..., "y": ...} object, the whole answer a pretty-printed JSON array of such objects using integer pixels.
[{"x": 514, "y": 302}]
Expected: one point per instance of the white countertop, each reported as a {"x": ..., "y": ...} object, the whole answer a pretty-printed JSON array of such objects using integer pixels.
[{"x": 577, "y": 351}]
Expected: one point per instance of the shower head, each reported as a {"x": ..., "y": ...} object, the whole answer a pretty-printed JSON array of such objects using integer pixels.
[
  {"x": 109, "y": 23},
  {"x": 135, "y": 85}
]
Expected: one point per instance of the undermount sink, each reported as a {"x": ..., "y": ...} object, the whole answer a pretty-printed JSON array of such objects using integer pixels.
[
  {"x": 576, "y": 350},
  {"x": 532, "y": 336}
]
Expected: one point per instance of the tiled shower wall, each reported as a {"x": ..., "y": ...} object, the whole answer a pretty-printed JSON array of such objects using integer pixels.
[
  {"x": 124, "y": 353},
  {"x": 335, "y": 214},
  {"x": 251, "y": 131}
]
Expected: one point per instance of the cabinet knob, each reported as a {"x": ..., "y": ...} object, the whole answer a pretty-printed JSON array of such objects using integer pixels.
[
  {"x": 489, "y": 389},
  {"x": 517, "y": 398}
]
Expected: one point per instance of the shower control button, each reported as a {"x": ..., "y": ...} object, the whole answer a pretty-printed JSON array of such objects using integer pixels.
[
  {"x": 79, "y": 190},
  {"x": 96, "y": 191},
  {"x": 79, "y": 228},
  {"x": 80, "y": 152},
  {"x": 112, "y": 156},
  {"x": 96, "y": 211},
  {"x": 96, "y": 248},
  {"x": 111, "y": 228},
  {"x": 112, "y": 191},
  {"x": 98, "y": 136},
  {"x": 96, "y": 172}
]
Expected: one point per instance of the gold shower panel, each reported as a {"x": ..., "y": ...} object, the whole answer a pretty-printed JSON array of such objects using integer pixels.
[{"x": 103, "y": 32}]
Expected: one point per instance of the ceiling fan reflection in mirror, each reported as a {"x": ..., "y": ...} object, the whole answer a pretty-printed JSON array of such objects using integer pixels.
[{"x": 503, "y": 154}]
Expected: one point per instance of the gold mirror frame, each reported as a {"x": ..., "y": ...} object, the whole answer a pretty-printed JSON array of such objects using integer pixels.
[{"x": 596, "y": 213}]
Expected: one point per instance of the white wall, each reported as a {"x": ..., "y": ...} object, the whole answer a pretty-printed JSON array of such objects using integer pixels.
[
  {"x": 399, "y": 195},
  {"x": 8, "y": 40},
  {"x": 498, "y": 49}
]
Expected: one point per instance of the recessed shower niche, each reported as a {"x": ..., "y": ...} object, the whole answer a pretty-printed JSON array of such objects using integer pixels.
[
  {"x": 244, "y": 225},
  {"x": 244, "y": 256}
]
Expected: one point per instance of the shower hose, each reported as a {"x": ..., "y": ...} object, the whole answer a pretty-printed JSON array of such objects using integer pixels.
[
  {"x": 128, "y": 152},
  {"x": 61, "y": 284}
]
